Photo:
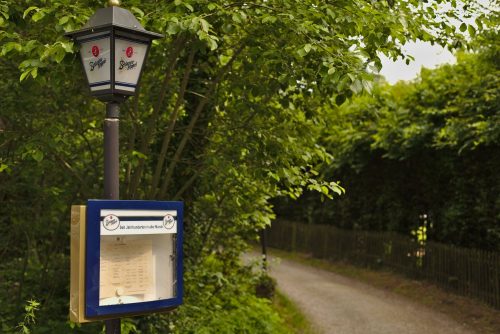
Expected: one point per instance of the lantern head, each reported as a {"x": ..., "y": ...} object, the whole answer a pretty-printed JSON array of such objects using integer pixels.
[{"x": 113, "y": 49}]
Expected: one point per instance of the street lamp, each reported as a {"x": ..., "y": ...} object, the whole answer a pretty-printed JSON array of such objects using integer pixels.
[{"x": 113, "y": 50}]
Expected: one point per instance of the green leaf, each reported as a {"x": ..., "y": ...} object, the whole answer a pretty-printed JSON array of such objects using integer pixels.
[
  {"x": 59, "y": 54},
  {"x": 301, "y": 52},
  {"x": 367, "y": 85},
  {"x": 30, "y": 63},
  {"x": 325, "y": 190},
  {"x": 67, "y": 46},
  {"x": 337, "y": 188},
  {"x": 137, "y": 11},
  {"x": 138, "y": 154},
  {"x": 24, "y": 75},
  {"x": 38, "y": 16},
  {"x": 63, "y": 20},
  {"x": 205, "y": 26},
  {"x": 269, "y": 18},
  {"x": 11, "y": 46},
  {"x": 479, "y": 23},
  {"x": 29, "y": 10},
  {"x": 356, "y": 86},
  {"x": 236, "y": 17},
  {"x": 212, "y": 44},
  {"x": 472, "y": 30},
  {"x": 173, "y": 28},
  {"x": 307, "y": 48},
  {"x": 37, "y": 155},
  {"x": 30, "y": 46},
  {"x": 463, "y": 27},
  {"x": 223, "y": 59}
]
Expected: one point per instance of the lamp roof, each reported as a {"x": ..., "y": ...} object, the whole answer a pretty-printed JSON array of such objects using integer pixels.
[{"x": 113, "y": 17}]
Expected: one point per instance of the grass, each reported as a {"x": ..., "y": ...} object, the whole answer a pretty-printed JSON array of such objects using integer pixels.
[
  {"x": 294, "y": 321},
  {"x": 474, "y": 315}
]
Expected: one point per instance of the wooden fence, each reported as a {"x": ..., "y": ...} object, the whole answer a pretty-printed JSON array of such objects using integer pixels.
[{"x": 468, "y": 272}]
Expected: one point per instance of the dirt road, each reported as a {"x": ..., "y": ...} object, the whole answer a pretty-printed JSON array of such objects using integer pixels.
[{"x": 339, "y": 305}]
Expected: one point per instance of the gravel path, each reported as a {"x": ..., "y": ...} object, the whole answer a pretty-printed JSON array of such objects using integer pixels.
[{"x": 338, "y": 305}]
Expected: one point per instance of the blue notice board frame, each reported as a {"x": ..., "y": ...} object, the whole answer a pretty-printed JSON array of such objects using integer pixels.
[{"x": 92, "y": 258}]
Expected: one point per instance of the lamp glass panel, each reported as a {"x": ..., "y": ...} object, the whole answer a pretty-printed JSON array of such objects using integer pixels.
[
  {"x": 130, "y": 57},
  {"x": 96, "y": 58}
]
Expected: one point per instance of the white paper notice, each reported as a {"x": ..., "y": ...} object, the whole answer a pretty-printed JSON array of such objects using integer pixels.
[{"x": 126, "y": 268}]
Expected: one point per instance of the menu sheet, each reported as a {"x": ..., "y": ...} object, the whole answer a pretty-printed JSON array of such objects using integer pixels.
[{"x": 126, "y": 267}]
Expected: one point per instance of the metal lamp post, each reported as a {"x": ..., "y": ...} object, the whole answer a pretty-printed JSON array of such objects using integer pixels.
[{"x": 113, "y": 50}]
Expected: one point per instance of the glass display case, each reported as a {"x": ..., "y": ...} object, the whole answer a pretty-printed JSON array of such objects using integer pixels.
[{"x": 133, "y": 259}]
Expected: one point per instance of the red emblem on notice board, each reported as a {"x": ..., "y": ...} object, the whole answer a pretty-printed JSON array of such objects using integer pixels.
[
  {"x": 129, "y": 52},
  {"x": 95, "y": 50}
]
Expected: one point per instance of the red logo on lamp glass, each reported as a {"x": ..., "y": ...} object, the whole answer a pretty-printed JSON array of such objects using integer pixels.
[
  {"x": 129, "y": 52},
  {"x": 95, "y": 51}
]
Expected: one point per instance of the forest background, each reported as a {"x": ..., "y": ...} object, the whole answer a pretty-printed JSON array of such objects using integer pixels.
[{"x": 238, "y": 110}]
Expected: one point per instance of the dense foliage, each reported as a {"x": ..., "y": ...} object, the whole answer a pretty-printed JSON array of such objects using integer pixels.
[
  {"x": 229, "y": 115},
  {"x": 421, "y": 155}
]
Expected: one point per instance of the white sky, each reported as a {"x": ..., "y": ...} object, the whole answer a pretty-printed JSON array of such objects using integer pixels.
[{"x": 425, "y": 55}]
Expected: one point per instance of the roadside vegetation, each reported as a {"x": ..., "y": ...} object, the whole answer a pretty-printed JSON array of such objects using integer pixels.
[
  {"x": 293, "y": 318},
  {"x": 231, "y": 114}
]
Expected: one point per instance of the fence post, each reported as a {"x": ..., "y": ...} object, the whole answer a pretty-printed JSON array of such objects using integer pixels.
[
  {"x": 497, "y": 280},
  {"x": 326, "y": 234},
  {"x": 294, "y": 236}
]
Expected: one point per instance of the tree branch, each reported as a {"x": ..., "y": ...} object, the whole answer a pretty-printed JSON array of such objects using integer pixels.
[
  {"x": 208, "y": 230},
  {"x": 170, "y": 130},
  {"x": 150, "y": 128},
  {"x": 131, "y": 143},
  {"x": 192, "y": 123},
  {"x": 186, "y": 185},
  {"x": 193, "y": 177}
]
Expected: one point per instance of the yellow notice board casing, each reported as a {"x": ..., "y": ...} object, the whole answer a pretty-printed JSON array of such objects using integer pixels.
[{"x": 77, "y": 270}]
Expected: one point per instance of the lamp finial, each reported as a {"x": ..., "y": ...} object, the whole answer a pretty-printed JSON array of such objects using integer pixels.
[{"x": 113, "y": 3}]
